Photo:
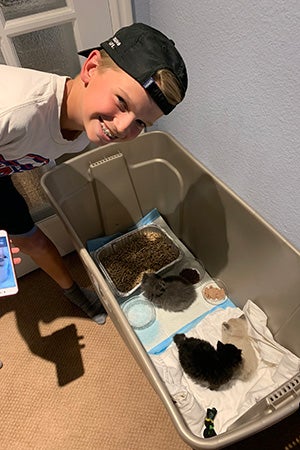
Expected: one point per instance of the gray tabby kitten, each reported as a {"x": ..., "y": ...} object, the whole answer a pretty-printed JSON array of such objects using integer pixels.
[
  {"x": 172, "y": 293},
  {"x": 235, "y": 332}
]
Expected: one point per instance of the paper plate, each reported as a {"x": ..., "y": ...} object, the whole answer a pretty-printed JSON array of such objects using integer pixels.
[{"x": 214, "y": 292}]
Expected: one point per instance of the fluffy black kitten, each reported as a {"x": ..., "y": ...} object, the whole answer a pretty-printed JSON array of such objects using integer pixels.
[
  {"x": 206, "y": 365},
  {"x": 172, "y": 293}
]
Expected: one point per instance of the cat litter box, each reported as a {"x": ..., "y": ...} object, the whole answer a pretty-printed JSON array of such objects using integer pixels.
[
  {"x": 124, "y": 260},
  {"x": 114, "y": 186}
]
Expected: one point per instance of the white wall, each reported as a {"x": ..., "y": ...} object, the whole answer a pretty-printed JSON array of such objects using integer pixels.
[{"x": 241, "y": 115}]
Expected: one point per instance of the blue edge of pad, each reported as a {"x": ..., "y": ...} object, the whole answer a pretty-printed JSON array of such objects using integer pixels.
[
  {"x": 162, "y": 346},
  {"x": 94, "y": 244}
]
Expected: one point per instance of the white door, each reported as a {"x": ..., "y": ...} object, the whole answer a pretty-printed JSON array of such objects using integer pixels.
[{"x": 46, "y": 35}]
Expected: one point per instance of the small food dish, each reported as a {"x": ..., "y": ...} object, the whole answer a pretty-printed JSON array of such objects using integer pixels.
[
  {"x": 192, "y": 269},
  {"x": 214, "y": 292},
  {"x": 140, "y": 312}
]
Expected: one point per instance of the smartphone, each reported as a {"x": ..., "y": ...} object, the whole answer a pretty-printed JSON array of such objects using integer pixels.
[{"x": 8, "y": 279}]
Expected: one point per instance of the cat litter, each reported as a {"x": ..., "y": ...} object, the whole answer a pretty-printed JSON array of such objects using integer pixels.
[{"x": 124, "y": 260}]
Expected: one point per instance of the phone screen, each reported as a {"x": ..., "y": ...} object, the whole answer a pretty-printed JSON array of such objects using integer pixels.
[{"x": 8, "y": 281}]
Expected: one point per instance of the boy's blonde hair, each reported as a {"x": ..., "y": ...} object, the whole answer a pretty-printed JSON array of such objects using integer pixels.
[{"x": 165, "y": 79}]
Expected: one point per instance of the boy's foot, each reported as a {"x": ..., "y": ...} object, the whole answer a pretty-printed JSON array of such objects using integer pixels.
[{"x": 88, "y": 301}]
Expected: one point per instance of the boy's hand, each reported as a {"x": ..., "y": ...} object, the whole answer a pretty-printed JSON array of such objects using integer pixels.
[{"x": 14, "y": 250}]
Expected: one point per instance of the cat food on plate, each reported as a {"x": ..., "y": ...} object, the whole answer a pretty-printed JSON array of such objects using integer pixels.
[{"x": 214, "y": 293}]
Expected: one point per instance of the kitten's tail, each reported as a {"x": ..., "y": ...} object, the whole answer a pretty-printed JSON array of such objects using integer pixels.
[{"x": 179, "y": 339}]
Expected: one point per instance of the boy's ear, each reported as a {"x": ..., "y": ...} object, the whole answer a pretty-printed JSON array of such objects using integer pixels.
[{"x": 91, "y": 63}]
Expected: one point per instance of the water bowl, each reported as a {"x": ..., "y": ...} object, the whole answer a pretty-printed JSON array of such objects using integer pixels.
[{"x": 139, "y": 312}]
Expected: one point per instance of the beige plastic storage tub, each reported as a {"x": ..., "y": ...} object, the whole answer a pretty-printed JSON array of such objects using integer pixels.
[{"x": 110, "y": 188}]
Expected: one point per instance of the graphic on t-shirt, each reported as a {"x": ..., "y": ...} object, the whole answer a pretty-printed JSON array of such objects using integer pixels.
[{"x": 27, "y": 162}]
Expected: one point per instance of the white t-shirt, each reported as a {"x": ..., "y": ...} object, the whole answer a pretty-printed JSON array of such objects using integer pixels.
[{"x": 30, "y": 107}]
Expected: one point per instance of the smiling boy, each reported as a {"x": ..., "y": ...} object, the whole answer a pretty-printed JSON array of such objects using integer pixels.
[
  {"x": 125, "y": 85},
  {"x": 112, "y": 107}
]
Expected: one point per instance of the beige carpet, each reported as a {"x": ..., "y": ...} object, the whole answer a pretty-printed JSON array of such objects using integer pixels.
[{"x": 68, "y": 383}]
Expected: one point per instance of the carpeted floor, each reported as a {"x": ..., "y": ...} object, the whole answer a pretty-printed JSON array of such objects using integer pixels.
[{"x": 68, "y": 383}]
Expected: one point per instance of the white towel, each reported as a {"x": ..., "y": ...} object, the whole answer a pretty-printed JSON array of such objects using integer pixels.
[{"x": 276, "y": 366}]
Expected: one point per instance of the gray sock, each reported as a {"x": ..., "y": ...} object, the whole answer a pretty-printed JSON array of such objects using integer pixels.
[{"x": 88, "y": 301}]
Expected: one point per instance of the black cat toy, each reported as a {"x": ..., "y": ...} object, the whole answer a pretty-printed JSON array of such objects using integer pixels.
[{"x": 209, "y": 430}]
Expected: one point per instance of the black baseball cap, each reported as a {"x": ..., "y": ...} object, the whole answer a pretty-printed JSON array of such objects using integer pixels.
[{"x": 141, "y": 51}]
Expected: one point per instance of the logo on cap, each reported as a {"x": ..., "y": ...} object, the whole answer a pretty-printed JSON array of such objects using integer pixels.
[{"x": 114, "y": 42}]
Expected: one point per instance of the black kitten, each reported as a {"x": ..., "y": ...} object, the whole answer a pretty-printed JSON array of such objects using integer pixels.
[
  {"x": 206, "y": 365},
  {"x": 172, "y": 293}
]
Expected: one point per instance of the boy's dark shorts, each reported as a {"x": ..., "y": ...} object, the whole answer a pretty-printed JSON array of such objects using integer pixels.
[{"x": 15, "y": 217}]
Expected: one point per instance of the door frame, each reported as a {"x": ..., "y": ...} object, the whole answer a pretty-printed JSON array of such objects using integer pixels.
[{"x": 120, "y": 15}]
